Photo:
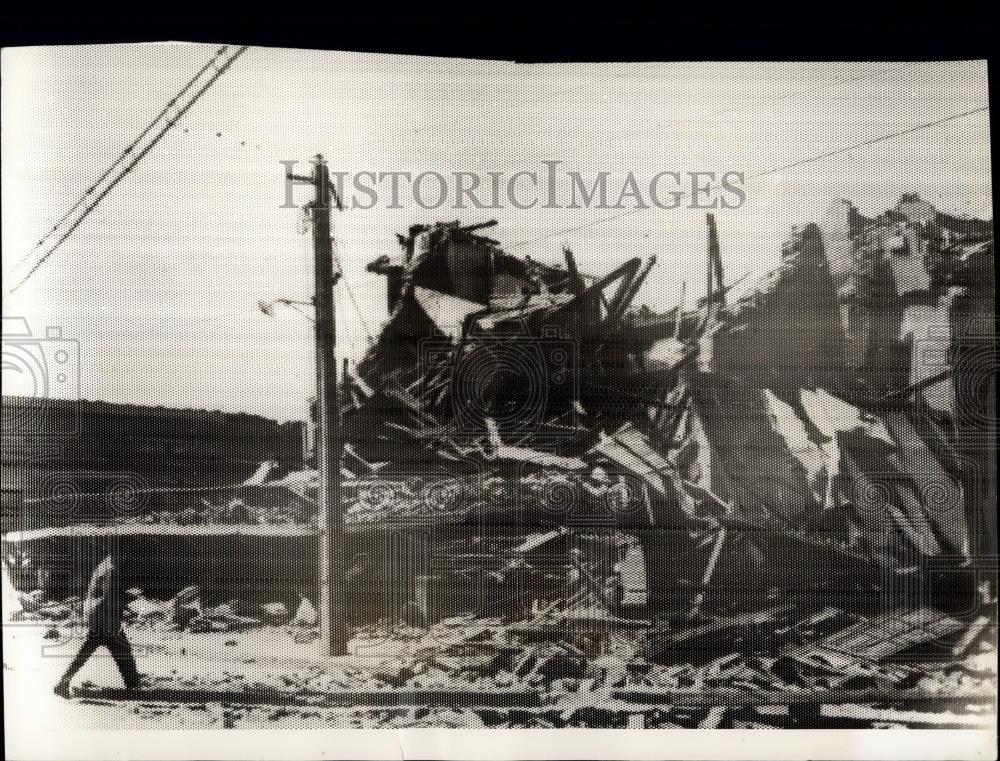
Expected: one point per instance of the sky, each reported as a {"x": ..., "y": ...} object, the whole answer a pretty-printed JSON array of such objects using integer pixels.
[{"x": 160, "y": 286}]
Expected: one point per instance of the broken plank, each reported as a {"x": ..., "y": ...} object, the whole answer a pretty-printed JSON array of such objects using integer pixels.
[{"x": 878, "y": 638}]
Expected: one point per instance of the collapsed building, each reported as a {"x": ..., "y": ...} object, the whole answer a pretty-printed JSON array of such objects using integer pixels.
[
  {"x": 522, "y": 442},
  {"x": 837, "y": 411}
]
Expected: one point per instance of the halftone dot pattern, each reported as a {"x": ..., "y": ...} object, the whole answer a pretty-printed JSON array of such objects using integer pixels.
[{"x": 780, "y": 520}]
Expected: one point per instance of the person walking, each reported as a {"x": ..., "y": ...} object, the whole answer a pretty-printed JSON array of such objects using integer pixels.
[{"x": 103, "y": 608}]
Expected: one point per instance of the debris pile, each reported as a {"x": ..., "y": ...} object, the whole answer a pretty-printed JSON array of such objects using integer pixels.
[
  {"x": 274, "y": 508},
  {"x": 830, "y": 410},
  {"x": 722, "y": 490},
  {"x": 36, "y": 606}
]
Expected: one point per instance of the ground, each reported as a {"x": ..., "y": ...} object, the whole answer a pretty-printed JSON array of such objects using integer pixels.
[{"x": 233, "y": 680}]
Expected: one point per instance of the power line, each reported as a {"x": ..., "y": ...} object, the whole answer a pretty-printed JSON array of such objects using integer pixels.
[
  {"x": 870, "y": 141},
  {"x": 753, "y": 104},
  {"x": 354, "y": 301},
  {"x": 220, "y": 70},
  {"x": 765, "y": 173},
  {"x": 121, "y": 157},
  {"x": 797, "y": 93},
  {"x": 750, "y": 106}
]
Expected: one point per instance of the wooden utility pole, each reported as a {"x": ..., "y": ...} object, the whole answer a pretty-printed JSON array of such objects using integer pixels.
[
  {"x": 716, "y": 287},
  {"x": 329, "y": 443}
]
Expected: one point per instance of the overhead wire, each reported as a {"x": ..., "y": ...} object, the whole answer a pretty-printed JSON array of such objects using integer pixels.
[
  {"x": 92, "y": 204},
  {"x": 749, "y": 106},
  {"x": 764, "y": 173},
  {"x": 453, "y": 150},
  {"x": 526, "y": 242},
  {"x": 357, "y": 309},
  {"x": 121, "y": 157}
]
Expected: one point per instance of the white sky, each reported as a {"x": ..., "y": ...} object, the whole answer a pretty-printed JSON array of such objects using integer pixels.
[{"x": 160, "y": 285}]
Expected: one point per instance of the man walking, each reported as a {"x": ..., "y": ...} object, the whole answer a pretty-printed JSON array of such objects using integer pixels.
[{"x": 102, "y": 609}]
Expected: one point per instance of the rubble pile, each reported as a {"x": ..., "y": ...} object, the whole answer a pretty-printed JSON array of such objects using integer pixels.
[
  {"x": 186, "y": 612},
  {"x": 837, "y": 411},
  {"x": 36, "y": 606},
  {"x": 736, "y": 494},
  {"x": 832, "y": 408},
  {"x": 259, "y": 509}
]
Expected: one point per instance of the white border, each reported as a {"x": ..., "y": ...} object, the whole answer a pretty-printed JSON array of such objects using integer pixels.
[{"x": 503, "y": 744}]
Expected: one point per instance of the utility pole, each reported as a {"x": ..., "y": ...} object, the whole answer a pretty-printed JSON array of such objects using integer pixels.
[
  {"x": 716, "y": 287},
  {"x": 329, "y": 442}
]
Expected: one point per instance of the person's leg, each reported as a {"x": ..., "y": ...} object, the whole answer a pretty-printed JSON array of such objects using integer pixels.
[
  {"x": 121, "y": 651},
  {"x": 90, "y": 644}
]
